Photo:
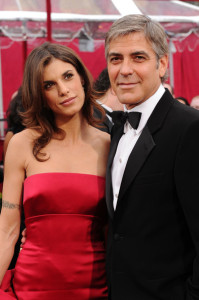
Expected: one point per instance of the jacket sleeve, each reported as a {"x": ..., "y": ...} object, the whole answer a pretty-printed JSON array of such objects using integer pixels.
[{"x": 186, "y": 174}]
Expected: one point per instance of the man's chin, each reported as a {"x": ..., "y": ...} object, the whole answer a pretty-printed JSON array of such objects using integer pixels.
[{"x": 129, "y": 102}]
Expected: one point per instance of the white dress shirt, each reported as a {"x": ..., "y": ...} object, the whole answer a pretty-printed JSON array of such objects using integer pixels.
[{"x": 129, "y": 139}]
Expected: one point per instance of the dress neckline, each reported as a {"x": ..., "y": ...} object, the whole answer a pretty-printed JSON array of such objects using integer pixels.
[{"x": 64, "y": 173}]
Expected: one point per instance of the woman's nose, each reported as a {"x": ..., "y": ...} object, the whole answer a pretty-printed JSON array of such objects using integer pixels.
[{"x": 62, "y": 88}]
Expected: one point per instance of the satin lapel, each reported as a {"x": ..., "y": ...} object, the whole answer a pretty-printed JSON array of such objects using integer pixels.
[
  {"x": 160, "y": 112},
  {"x": 145, "y": 143},
  {"x": 109, "y": 191},
  {"x": 142, "y": 149},
  {"x": 109, "y": 124}
]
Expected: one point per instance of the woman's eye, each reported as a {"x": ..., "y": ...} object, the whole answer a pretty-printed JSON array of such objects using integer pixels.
[
  {"x": 68, "y": 76},
  {"x": 48, "y": 85}
]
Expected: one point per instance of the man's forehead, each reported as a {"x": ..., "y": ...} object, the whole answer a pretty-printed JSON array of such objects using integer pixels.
[{"x": 132, "y": 43}]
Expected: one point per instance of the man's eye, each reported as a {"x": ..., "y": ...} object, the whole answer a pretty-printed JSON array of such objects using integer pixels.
[
  {"x": 139, "y": 58},
  {"x": 114, "y": 59}
]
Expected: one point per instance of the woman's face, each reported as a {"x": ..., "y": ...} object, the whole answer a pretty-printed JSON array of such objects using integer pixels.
[{"x": 62, "y": 88}]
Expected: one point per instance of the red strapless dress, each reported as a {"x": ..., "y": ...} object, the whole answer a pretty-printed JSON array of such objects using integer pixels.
[{"x": 64, "y": 254}]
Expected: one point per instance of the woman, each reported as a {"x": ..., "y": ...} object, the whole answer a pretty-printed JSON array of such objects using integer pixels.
[
  {"x": 58, "y": 163},
  {"x": 14, "y": 122}
]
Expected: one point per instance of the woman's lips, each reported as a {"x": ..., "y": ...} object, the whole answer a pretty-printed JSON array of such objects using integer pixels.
[{"x": 67, "y": 101}]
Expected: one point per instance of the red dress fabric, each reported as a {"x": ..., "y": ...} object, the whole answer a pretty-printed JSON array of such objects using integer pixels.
[{"x": 64, "y": 253}]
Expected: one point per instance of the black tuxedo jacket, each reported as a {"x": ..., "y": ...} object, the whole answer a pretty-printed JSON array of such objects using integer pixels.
[{"x": 153, "y": 240}]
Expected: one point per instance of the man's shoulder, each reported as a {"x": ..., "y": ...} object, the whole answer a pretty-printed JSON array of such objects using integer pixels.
[
  {"x": 187, "y": 113},
  {"x": 177, "y": 110}
]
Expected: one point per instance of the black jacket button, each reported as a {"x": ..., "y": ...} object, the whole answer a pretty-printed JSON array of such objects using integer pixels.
[{"x": 116, "y": 237}]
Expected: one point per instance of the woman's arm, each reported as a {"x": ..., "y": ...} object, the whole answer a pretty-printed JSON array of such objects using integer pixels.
[
  {"x": 11, "y": 201},
  {"x": 7, "y": 139}
]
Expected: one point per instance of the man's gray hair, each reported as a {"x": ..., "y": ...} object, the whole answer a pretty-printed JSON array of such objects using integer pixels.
[{"x": 152, "y": 30}]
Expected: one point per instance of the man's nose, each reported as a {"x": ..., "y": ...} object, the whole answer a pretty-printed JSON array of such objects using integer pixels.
[{"x": 126, "y": 68}]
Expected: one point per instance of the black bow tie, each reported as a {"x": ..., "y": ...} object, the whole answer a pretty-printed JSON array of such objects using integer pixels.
[{"x": 119, "y": 118}]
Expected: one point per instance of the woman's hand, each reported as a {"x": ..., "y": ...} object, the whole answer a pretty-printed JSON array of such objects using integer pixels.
[{"x": 23, "y": 239}]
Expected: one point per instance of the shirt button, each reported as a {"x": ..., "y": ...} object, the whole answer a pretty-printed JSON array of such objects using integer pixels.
[
  {"x": 120, "y": 160},
  {"x": 116, "y": 195}
]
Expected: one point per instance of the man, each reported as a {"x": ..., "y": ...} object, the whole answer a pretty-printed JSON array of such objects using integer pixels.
[
  {"x": 195, "y": 102},
  {"x": 108, "y": 100},
  {"x": 152, "y": 175}
]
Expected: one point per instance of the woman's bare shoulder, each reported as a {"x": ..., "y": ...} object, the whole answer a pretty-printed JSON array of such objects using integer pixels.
[
  {"x": 101, "y": 135},
  {"x": 101, "y": 140},
  {"x": 23, "y": 140}
]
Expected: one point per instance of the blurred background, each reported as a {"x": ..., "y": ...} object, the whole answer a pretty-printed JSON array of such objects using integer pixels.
[{"x": 82, "y": 25}]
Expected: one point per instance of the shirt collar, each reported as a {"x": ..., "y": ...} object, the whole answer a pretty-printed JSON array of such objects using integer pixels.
[
  {"x": 105, "y": 106},
  {"x": 146, "y": 108}
]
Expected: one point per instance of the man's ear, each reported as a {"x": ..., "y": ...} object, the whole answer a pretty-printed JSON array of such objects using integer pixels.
[{"x": 163, "y": 65}]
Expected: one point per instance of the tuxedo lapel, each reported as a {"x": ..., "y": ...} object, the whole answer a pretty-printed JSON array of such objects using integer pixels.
[
  {"x": 145, "y": 143},
  {"x": 160, "y": 112},
  {"x": 109, "y": 191},
  {"x": 108, "y": 124},
  {"x": 142, "y": 149}
]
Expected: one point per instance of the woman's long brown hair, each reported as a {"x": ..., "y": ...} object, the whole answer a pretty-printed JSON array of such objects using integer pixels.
[{"x": 37, "y": 114}]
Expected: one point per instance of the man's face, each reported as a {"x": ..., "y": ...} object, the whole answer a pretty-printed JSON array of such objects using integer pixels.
[{"x": 135, "y": 74}]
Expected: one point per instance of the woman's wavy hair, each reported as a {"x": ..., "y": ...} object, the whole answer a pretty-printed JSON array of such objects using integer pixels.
[
  {"x": 13, "y": 113},
  {"x": 37, "y": 114}
]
